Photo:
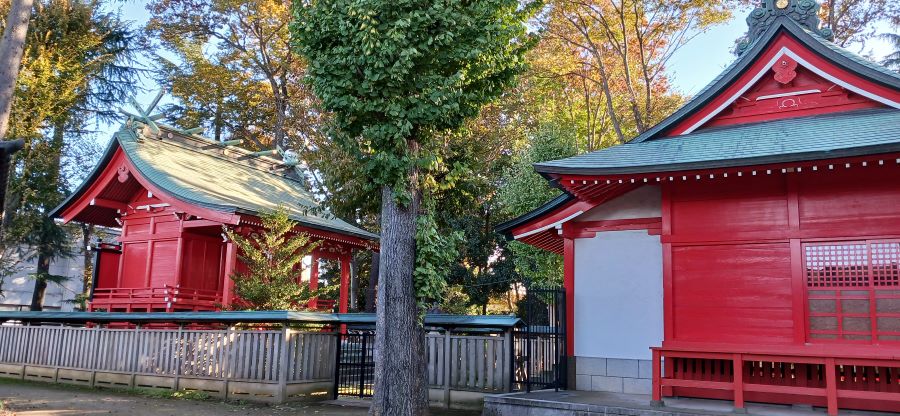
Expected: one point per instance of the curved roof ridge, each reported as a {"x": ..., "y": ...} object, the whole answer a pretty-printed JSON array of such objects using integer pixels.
[
  {"x": 215, "y": 182},
  {"x": 818, "y": 44}
]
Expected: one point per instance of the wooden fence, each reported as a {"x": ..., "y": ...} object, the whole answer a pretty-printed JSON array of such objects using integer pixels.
[
  {"x": 258, "y": 365},
  {"x": 254, "y": 364},
  {"x": 476, "y": 363}
]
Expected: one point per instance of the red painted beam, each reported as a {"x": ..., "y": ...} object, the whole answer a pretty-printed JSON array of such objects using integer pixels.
[{"x": 108, "y": 203}]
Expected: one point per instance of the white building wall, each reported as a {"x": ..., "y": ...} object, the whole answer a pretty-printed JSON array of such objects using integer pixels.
[
  {"x": 618, "y": 298},
  {"x": 18, "y": 288}
]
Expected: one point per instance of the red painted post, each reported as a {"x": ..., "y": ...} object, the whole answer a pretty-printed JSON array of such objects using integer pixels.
[
  {"x": 657, "y": 379},
  {"x": 738, "y": 381},
  {"x": 831, "y": 387},
  {"x": 227, "y": 283},
  {"x": 344, "y": 297},
  {"x": 314, "y": 279},
  {"x": 569, "y": 286}
]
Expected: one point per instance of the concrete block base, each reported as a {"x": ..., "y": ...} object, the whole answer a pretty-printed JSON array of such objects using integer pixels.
[
  {"x": 77, "y": 377},
  {"x": 459, "y": 399},
  {"x": 613, "y": 375},
  {"x": 12, "y": 371}
]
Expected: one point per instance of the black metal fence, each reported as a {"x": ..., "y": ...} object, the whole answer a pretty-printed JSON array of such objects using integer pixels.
[
  {"x": 534, "y": 353},
  {"x": 355, "y": 364},
  {"x": 539, "y": 346}
]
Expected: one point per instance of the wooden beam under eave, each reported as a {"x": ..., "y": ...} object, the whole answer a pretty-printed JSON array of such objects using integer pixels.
[
  {"x": 108, "y": 203},
  {"x": 201, "y": 223}
]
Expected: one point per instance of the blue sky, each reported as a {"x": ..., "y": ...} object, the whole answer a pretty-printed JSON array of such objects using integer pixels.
[{"x": 690, "y": 69}]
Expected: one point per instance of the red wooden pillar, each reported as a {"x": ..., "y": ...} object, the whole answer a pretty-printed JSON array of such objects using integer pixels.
[
  {"x": 831, "y": 387},
  {"x": 569, "y": 286},
  {"x": 227, "y": 283},
  {"x": 314, "y": 279},
  {"x": 343, "y": 300},
  {"x": 738, "y": 374},
  {"x": 656, "y": 378}
]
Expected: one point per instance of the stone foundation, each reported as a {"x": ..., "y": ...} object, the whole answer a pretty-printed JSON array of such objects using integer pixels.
[{"x": 613, "y": 375}]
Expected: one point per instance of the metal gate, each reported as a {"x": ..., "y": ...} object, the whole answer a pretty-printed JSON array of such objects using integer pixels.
[
  {"x": 539, "y": 346},
  {"x": 354, "y": 370}
]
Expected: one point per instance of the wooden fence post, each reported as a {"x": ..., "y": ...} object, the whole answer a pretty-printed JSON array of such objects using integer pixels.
[
  {"x": 508, "y": 359},
  {"x": 178, "y": 350},
  {"x": 448, "y": 365},
  {"x": 336, "y": 391},
  {"x": 229, "y": 348},
  {"x": 281, "y": 395},
  {"x": 135, "y": 352}
]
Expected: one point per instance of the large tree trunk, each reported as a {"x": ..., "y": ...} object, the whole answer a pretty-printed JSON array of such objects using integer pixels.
[
  {"x": 12, "y": 45},
  {"x": 400, "y": 388},
  {"x": 372, "y": 289},
  {"x": 40, "y": 284},
  {"x": 7, "y": 149}
]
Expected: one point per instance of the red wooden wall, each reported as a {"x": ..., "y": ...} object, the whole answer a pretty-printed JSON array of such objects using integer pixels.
[
  {"x": 734, "y": 265},
  {"x": 150, "y": 254},
  {"x": 108, "y": 270},
  {"x": 203, "y": 261}
]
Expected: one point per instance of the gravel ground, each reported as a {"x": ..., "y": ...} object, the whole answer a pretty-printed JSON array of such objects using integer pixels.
[{"x": 39, "y": 399}]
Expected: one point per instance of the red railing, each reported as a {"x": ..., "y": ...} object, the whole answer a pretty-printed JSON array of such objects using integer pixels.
[
  {"x": 323, "y": 305},
  {"x": 858, "y": 378},
  {"x": 168, "y": 298}
]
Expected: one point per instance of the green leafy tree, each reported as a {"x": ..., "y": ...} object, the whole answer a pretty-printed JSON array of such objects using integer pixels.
[
  {"x": 76, "y": 66},
  {"x": 274, "y": 259},
  {"x": 239, "y": 50},
  {"x": 395, "y": 75},
  {"x": 892, "y": 60},
  {"x": 524, "y": 190},
  {"x": 854, "y": 22}
]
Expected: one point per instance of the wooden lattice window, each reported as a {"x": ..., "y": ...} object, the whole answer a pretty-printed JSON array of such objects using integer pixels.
[{"x": 853, "y": 291}]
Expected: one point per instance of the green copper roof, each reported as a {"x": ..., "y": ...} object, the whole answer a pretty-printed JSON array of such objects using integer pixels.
[
  {"x": 225, "y": 179},
  {"x": 787, "y": 140}
]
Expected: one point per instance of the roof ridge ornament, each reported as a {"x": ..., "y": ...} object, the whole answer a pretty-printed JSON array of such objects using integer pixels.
[{"x": 803, "y": 12}]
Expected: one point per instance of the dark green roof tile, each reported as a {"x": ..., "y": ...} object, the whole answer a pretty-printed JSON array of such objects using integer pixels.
[
  {"x": 198, "y": 172},
  {"x": 787, "y": 140}
]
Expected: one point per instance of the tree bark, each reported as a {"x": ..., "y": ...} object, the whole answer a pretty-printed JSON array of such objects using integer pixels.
[
  {"x": 371, "y": 290},
  {"x": 400, "y": 388},
  {"x": 40, "y": 283},
  {"x": 7, "y": 149},
  {"x": 87, "y": 231},
  {"x": 12, "y": 45}
]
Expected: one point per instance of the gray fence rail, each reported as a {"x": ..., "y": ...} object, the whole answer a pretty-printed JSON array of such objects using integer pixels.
[{"x": 258, "y": 365}]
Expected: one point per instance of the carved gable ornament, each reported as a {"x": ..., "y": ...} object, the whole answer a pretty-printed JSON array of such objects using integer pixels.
[{"x": 804, "y": 12}]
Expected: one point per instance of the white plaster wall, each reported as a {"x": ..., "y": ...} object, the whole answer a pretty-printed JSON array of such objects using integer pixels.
[
  {"x": 643, "y": 202},
  {"x": 618, "y": 295},
  {"x": 18, "y": 288}
]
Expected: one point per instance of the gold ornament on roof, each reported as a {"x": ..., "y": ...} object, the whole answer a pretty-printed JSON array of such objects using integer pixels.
[{"x": 781, "y": 4}]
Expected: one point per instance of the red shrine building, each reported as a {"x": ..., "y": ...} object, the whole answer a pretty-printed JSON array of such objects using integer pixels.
[
  {"x": 747, "y": 247},
  {"x": 171, "y": 192}
]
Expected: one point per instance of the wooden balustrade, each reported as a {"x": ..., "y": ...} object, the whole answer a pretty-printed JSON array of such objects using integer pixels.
[
  {"x": 856, "y": 379},
  {"x": 161, "y": 299}
]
